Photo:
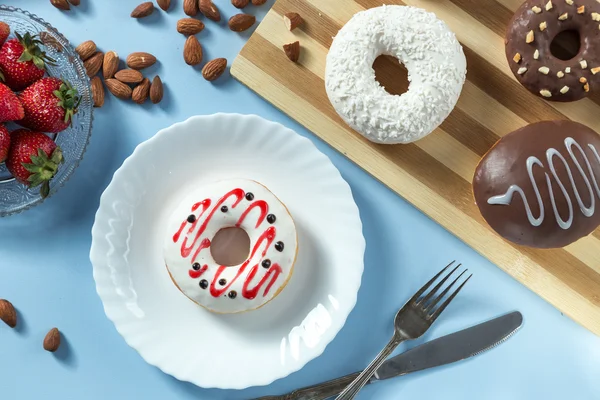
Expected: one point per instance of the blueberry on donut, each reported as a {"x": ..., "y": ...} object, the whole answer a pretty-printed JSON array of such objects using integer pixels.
[
  {"x": 428, "y": 49},
  {"x": 531, "y": 55}
]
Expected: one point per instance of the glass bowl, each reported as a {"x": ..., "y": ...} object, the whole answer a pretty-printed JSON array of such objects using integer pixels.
[{"x": 14, "y": 196}]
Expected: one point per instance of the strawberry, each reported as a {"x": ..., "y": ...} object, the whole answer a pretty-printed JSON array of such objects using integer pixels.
[
  {"x": 22, "y": 61},
  {"x": 49, "y": 105},
  {"x": 33, "y": 159},
  {"x": 4, "y": 32},
  {"x": 4, "y": 143},
  {"x": 11, "y": 108}
]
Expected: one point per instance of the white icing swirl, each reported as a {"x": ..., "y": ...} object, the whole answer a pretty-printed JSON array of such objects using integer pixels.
[{"x": 588, "y": 211}]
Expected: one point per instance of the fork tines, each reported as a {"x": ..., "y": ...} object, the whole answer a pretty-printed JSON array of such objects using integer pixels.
[{"x": 428, "y": 302}]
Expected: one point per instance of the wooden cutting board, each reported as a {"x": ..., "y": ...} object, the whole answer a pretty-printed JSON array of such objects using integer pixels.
[{"x": 435, "y": 173}]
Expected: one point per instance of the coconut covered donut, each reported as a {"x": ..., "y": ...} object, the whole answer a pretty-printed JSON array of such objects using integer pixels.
[
  {"x": 194, "y": 223},
  {"x": 428, "y": 49}
]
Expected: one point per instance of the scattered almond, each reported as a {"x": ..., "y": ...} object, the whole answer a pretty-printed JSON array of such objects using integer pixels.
[
  {"x": 546, "y": 93},
  {"x": 564, "y": 90},
  {"x": 8, "y": 313},
  {"x": 156, "y": 90},
  {"x": 240, "y": 3},
  {"x": 190, "y": 7},
  {"x": 517, "y": 58},
  {"x": 595, "y": 70},
  {"x": 141, "y": 92},
  {"x": 583, "y": 80},
  {"x": 192, "y": 51},
  {"x": 52, "y": 340},
  {"x": 209, "y": 10},
  {"x": 110, "y": 65},
  {"x": 522, "y": 70},
  {"x": 258, "y": 2},
  {"x": 143, "y": 10},
  {"x": 292, "y": 20},
  {"x": 97, "y": 92},
  {"x": 164, "y": 4},
  {"x": 129, "y": 76},
  {"x": 94, "y": 63},
  {"x": 292, "y": 51},
  {"x": 583, "y": 64},
  {"x": 86, "y": 49},
  {"x": 543, "y": 26},
  {"x": 586, "y": 87},
  {"x": 241, "y": 22},
  {"x": 61, "y": 4},
  {"x": 118, "y": 88},
  {"x": 581, "y": 10},
  {"x": 536, "y": 9},
  {"x": 189, "y": 26},
  {"x": 549, "y": 5},
  {"x": 563, "y": 17},
  {"x": 214, "y": 69},
  {"x": 140, "y": 60},
  {"x": 544, "y": 70},
  {"x": 560, "y": 74},
  {"x": 536, "y": 54}
]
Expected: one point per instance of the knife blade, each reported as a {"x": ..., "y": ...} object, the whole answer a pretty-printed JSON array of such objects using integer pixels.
[
  {"x": 445, "y": 350},
  {"x": 453, "y": 347}
]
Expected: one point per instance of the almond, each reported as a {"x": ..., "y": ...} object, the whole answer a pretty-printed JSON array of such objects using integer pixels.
[
  {"x": 94, "y": 63},
  {"x": 241, "y": 22},
  {"x": 8, "y": 313},
  {"x": 129, "y": 76},
  {"x": 209, "y": 10},
  {"x": 97, "y": 92},
  {"x": 86, "y": 49},
  {"x": 75, "y": 2},
  {"x": 164, "y": 4},
  {"x": 61, "y": 4},
  {"x": 292, "y": 51},
  {"x": 156, "y": 90},
  {"x": 240, "y": 3},
  {"x": 190, "y": 7},
  {"x": 52, "y": 340},
  {"x": 292, "y": 20},
  {"x": 192, "y": 51},
  {"x": 189, "y": 26},
  {"x": 110, "y": 65},
  {"x": 258, "y": 2},
  {"x": 143, "y": 10},
  {"x": 214, "y": 69},
  {"x": 118, "y": 88},
  {"x": 140, "y": 60},
  {"x": 141, "y": 92}
]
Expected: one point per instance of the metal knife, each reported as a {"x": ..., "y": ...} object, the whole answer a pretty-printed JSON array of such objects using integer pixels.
[{"x": 444, "y": 350}]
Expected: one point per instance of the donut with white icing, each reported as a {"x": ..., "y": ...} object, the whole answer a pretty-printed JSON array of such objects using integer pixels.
[
  {"x": 428, "y": 49},
  {"x": 540, "y": 185},
  {"x": 245, "y": 204}
]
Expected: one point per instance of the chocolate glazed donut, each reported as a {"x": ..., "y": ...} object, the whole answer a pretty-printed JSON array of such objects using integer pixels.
[
  {"x": 540, "y": 185},
  {"x": 530, "y": 33}
]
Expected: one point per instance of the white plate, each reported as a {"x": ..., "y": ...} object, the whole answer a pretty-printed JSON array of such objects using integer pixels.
[{"x": 173, "y": 333}]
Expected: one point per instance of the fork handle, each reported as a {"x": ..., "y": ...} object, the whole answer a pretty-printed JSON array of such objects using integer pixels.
[
  {"x": 321, "y": 391},
  {"x": 364, "y": 377}
]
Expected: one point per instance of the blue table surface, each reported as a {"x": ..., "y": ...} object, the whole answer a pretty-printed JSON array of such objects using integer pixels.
[{"x": 45, "y": 270}]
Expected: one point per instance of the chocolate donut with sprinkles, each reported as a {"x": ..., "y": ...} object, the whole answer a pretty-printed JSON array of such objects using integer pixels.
[
  {"x": 534, "y": 27},
  {"x": 195, "y": 222}
]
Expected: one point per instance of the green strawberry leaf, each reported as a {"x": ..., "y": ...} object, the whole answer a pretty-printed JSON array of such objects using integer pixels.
[{"x": 45, "y": 189}]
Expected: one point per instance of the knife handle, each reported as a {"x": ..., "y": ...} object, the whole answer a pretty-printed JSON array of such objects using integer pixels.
[{"x": 320, "y": 391}]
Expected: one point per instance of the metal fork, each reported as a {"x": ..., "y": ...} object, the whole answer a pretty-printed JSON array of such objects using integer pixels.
[{"x": 411, "y": 322}]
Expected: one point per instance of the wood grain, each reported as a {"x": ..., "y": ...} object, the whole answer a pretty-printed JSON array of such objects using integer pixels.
[{"x": 435, "y": 173}]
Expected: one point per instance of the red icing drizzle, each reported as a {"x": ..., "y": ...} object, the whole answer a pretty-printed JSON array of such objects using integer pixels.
[
  {"x": 267, "y": 238},
  {"x": 264, "y": 209},
  {"x": 205, "y": 204},
  {"x": 274, "y": 270},
  {"x": 196, "y": 274},
  {"x": 238, "y": 193}
]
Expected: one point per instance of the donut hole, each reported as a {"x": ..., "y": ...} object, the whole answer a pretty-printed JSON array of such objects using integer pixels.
[
  {"x": 230, "y": 246},
  {"x": 565, "y": 46},
  {"x": 391, "y": 74}
]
